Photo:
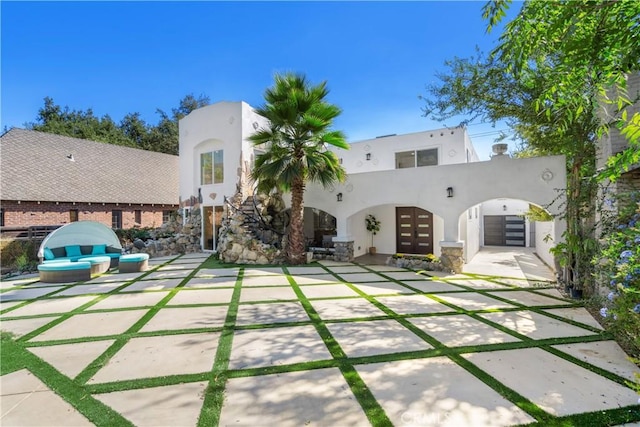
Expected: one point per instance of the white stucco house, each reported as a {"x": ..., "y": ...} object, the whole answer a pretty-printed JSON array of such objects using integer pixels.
[{"x": 428, "y": 189}]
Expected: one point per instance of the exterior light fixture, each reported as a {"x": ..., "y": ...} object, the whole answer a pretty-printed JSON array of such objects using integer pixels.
[
  {"x": 449, "y": 191},
  {"x": 199, "y": 195},
  {"x": 368, "y": 156},
  {"x": 339, "y": 196},
  {"x": 504, "y": 207}
]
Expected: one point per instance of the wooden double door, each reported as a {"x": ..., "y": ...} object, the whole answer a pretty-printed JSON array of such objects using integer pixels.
[{"x": 414, "y": 231}]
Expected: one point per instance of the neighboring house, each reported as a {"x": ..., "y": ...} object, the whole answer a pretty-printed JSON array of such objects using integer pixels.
[
  {"x": 428, "y": 189},
  {"x": 613, "y": 142},
  {"x": 51, "y": 179}
]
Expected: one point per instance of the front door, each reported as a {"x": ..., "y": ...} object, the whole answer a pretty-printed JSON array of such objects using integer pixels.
[{"x": 414, "y": 231}]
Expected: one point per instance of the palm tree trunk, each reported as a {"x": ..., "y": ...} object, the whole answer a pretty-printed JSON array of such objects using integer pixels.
[{"x": 296, "y": 250}]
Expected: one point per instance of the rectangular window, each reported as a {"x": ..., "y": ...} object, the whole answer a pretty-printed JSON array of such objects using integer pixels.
[
  {"x": 417, "y": 158},
  {"x": 166, "y": 216},
  {"x": 116, "y": 218},
  {"x": 406, "y": 159},
  {"x": 206, "y": 168},
  {"x": 427, "y": 157},
  {"x": 138, "y": 216},
  {"x": 212, "y": 167},
  {"x": 1, "y": 217},
  {"x": 73, "y": 215},
  {"x": 218, "y": 167}
]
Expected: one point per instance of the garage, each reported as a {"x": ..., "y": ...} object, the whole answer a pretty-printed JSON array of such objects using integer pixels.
[{"x": 504, "y": 230}]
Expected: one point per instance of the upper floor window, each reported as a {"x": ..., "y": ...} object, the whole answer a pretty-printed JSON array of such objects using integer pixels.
[
  {"x": 137, "y": 216},
  {"x": 73, "y": 215},
  {"x": 417, "y": 158},
  {"x": 212, "y": 167}
]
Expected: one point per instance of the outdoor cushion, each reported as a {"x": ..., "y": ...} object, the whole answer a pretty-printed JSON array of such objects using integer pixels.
[
  {"x": 64, "y": 266},
  {"x": 48, "y": 254},
  {"x": 99, "y": 249},
  {"x": 73, "y": 251},
  {"x": 134, "y": 257}
]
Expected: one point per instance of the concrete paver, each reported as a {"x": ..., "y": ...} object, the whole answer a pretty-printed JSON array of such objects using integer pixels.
[
  {"x": 149, "y": 357},
  {"x": 288, "y": 400},
  {"x": 20, "y": 327},
  {"x": 27, "y": 293},
  {"x": 413, "y": 304},
  {"x": 432, "y": 286},
  {"x": 172, "y": 405},
  {"x": 92, "y": 325},
  {"x": 382, "y": 288},
  {"x": 474, "y": 301},
  {"x": 277, "y": 312},
  {"x": 269, "y": 280},
  {"x": 280, "y": 293},
  {"x": 33, "y": 404},
  {"x": 535, "y": 325},
  {"x": 174, "y": 318},
  {"x": 277, "y": 346},
  {"x": 71, "y": 359},
  {"x": 375, "y": 337},
  {"x": 318, "y": 279},
  {"x": 49, "y": 306},
  {"x": 202, "y": 296},
  {"x": 557, "y": 386},
  {"x": 460, "y": 330},
  {"x": 437, "y": 392},
  {"x": 604, "y": 354},
  {"x": 328, "y": 291},
  {"x": 153, "y": 285},
  {"x": 137, "y": 299},
  {"x": 170, "y": 356},
  {"x": 529, "y": 298},
  {"x": 346, "y": 308}
]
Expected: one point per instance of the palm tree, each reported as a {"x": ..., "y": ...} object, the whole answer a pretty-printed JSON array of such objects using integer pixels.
[{"x": 296, "y": 141}]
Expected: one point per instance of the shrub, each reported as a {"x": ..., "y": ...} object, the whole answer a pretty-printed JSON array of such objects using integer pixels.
[
  {"x": 20, "y": 255},
  {"x": 618, "y": 266}
]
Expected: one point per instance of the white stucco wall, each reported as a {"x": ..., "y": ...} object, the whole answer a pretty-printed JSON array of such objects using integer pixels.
[
  {"x": 544, "y": 230},
  {"x": 539, "y": 180},
  {"x": 452, "y": 145},
  {"x": 471, "y": 235},
  {"x": 224, "y": 125}
]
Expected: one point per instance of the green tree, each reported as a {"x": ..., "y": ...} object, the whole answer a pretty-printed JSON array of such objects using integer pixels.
[
  {"x": 296, "y": 141},
  {"x": 132, "y": 130},
  {"x": 547, "y": 79}
]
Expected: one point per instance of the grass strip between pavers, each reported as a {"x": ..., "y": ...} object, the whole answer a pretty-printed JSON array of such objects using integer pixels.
[
  {"x": 214, "y": 393},
  {"x": 75, "y": 394},
  {"x": 15, "y": 355},
  {"x": 372, "y": 409}
]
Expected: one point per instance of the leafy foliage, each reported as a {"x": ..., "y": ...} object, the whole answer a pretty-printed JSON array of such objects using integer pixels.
[
  {"x": 618, "y": 265},
  {"x": 373, "y": 225},
  {"x": 296, "y": 142},
  {"x": 132, "y": 131},
  {"x": 556, "y": 65}
]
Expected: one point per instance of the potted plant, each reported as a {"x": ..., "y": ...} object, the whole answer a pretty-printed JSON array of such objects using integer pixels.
[{"x": 373, "y": 227}]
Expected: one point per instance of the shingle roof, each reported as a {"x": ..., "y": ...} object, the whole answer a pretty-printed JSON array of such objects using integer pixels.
[{"x": 35, "y": 166}]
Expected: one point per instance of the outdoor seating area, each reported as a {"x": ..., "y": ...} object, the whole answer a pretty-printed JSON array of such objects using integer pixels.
[{"x": 80, "y": 240}]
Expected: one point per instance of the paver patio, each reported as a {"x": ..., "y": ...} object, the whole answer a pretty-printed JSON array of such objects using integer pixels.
[{"x": 192, "y": 343}]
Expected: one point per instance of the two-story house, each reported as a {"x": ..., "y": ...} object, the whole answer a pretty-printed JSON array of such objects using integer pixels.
[{"x": 427, "y": 188}]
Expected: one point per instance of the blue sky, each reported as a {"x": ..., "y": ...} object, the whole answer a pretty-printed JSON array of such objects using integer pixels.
[{"x": 122, "y": 57}]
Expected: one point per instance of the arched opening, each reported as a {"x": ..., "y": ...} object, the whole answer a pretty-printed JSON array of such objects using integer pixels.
[
  {"x": 319, "y": 229},
  {"x": 504, "y": 224}
]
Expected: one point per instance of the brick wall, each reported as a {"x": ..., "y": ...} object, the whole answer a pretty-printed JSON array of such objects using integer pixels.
[{"x": 25, "y": 214}]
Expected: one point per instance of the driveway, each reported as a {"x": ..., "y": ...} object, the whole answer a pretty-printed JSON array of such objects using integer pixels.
[{"x": 335, "y": 344}]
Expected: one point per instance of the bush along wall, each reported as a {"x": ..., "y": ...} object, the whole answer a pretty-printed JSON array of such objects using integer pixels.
[{"x": 618, "y": 268}]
